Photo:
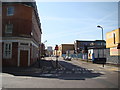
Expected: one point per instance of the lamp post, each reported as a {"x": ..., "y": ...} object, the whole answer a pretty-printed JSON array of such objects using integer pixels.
[
  {"x": 102, "y": 30},
  {"x": 56, "y": 48},
  {"x": 45, "y": 46},
  {"x": 40, "y": 53},
  {"x": 102, "y": 40}
]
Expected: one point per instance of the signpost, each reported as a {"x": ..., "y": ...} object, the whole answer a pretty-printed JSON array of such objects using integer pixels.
[{"x": 56, "y": 48}]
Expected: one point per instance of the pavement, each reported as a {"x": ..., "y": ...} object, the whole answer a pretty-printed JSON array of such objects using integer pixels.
[
  {"x": 29, "y": 71},
  {"x": 107, "y": 66}
]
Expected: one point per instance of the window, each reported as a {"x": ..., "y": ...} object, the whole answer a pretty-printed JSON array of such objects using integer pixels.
[
  {"x": 114, "y": 37},
  {"x": 10, "y": 11},
  {"x": 7, "y": 50},
  {"x": 9, "y": 28}
]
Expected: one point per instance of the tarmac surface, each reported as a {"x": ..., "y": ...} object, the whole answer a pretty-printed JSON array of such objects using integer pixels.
[{"x": 69, "y": 74}]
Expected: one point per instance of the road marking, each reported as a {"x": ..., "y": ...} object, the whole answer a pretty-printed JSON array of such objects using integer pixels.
[
  {"x": 99, "y": 78},
  {"x": 95, "y": 71},
  {"x": 60, "y": 72},
  {"x": 78, "y": 72},
  {"x": 102, "y": 72},
  {"x": 46, "y": 74},
  {"x": 84, "y": 72},
  {"x": 78, "y": 68},
  {"x": 73, "y": 69},
  {"x": 53, "y": 71},
  {"x": 91, "y": 69},
  {"x": 68, "y": 72}
]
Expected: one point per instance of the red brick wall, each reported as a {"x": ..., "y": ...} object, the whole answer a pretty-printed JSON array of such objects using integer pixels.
[
  {"x": 24, "y": 22},
  {"x": 21, "y": 20},
  {"x": 35, "y": 28},
  {"x": 33, "y": 54}
]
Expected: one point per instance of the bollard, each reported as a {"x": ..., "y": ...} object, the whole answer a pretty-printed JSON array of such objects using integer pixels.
[{"x": 103, "y": 64}]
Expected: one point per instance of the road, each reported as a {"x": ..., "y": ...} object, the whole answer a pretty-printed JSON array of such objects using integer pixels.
[{"x": 73, "y": 74}]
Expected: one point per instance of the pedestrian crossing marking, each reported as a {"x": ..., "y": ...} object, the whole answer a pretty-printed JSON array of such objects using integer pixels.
[
  {"x": 77, "y": 72},
  {"x": 60, "y": 72},
  {"x": 53, "y": 71},
  {"x": 45, "y": 71},
  {"x": 99, "y": 78},
  {"x": 68, "y": 72}
]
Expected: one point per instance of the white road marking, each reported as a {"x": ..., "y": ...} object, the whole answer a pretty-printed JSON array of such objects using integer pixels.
[
  {"x": 53, "y": 72},
  {"x": 91, "y": 69},
  {"x": 60, "y": 72},
  {"x": 45, "y": 72},
  {"x": 99, "y": 78},
  {"x": 46, "y": 75},
  {"x": 68, "y": 72}
]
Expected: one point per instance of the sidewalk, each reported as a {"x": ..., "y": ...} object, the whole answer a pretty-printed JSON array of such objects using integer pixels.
[
  {"x": 44, "y": 64},
  {"x": 107, "y": 63},
  {"x": 107, "y": 66}
]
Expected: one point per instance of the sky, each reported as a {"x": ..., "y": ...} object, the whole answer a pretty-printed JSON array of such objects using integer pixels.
[{"x": 65, "y": 22}]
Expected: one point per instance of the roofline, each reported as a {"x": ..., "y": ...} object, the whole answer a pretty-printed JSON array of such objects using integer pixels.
[
  {"x": 89, "y": 41},
  {"x": 113, "y": 30}
]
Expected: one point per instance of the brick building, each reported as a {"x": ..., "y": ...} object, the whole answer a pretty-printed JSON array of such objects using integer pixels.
[
  {"x": 63, "y": 48},
  {"x": 80, "y": 45},
  {"x": 21, "y": 34},
  {"x": 42, "y": 49},
  {"x": 49, "y": 51}
]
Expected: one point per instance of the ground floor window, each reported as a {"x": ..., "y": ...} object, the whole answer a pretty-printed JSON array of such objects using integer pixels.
[{"x": 7, "y": 50}]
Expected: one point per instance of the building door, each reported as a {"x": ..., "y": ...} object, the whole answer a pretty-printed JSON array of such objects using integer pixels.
[{"x": 23, "y": 58}]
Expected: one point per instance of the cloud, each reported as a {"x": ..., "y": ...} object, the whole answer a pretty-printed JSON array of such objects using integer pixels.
[
  {"x": 66, "y": 19},
  {"x": 90, "y": 20},
  {"x": 69, "y": 20},
  {"x": 105, "y": 18},
  {"x": 69, "y": 33},
  {"x": 52, "y": 18}
]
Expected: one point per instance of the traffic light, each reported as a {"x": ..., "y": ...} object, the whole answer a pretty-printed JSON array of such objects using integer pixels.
[{"x": 56, "y": 47}]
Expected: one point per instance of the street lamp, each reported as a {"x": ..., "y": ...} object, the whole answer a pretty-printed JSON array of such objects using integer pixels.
[
  {"x": 102, "y": 30},
  {"x": 40, "y": 52},
  {"x": 45, "y": 41},
  {"x": 102, "y": 42}
]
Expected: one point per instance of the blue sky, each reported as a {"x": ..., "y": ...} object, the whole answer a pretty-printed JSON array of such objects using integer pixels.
[{"x": 65, "y": 22}]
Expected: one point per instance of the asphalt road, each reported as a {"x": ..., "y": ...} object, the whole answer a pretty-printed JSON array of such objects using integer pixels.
[{"x": 72, "y": 74}]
